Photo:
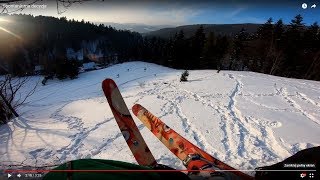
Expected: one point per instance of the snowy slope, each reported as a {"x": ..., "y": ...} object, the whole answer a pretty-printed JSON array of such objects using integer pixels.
[{"x": 245, "y": 119}]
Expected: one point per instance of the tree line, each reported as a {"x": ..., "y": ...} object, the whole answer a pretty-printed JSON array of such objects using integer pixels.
[
  {"x": 45, "y": 40},
  {"x": 290, "y": 50}
]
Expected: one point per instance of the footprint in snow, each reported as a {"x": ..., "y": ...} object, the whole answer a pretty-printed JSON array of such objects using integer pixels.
[{"x": 275, "y": 124}]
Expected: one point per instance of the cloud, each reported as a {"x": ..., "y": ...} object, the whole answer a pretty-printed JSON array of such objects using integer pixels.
[
  {"x": 248, "y": 19},
  {"x": 150, "y": 14},
  {"x": 174, "y": 16},
  {"x": 155, "y": 13},
  {"x": 236, "y": 12}
]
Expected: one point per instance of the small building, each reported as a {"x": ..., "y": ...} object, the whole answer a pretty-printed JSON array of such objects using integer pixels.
[
  {"x": 111, "y": 58},
  {"x": 95, "y": 57},
  {"x": 89, "y": 66},
  {"x": 72, "y": 54},
  {"x": 38, "y": 69}
]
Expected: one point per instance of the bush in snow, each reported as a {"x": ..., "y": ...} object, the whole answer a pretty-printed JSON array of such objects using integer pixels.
[
  {"x": 65, "y": 68},
  {"x": 3, "y": 114},
  {"x": 184, "y": 76},
  {"x": 11, "y": 97},
  {"x": 73, "y": 69},
  {"x": 61, "y": 69},
  {"x": 44, "y": 81}
]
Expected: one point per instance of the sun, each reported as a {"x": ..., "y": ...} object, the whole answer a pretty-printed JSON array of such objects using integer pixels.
[{"x": 3, "y": 21}]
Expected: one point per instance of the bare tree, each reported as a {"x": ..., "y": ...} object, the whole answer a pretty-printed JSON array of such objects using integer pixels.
[
  {"x": 11, "y": 95},
  {"x": 314, "y": 68},
  {"x": 4, "y": 5},
  {"x": 277, "y": 60},
  {"x": 62, "y": 5},
  {"x": 274, "y": 58}
]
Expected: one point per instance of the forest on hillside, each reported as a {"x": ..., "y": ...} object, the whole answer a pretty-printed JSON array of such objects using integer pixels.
[
  {"x": 45, "y": 40},
  {"x": 284, "y": 50},
  {"x": 291, "y": 50}
]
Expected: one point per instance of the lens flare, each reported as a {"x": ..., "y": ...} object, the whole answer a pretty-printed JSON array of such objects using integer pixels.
[
  {"x": 9, "y": 32},
  {"x": 4, "y": 20}
]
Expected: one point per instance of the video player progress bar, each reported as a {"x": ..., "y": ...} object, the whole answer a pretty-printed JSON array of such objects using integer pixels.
[{"x": 37, "y": 171}]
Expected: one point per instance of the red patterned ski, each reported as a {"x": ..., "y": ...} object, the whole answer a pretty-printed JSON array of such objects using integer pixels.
[
  {"x": 192, "y": 157},
  {"x": 127, "y": 125}
]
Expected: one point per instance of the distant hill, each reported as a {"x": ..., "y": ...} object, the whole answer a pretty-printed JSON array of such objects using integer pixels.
[
  {"x": 189, "y": 30},
  {"x": 140, "y": 28}
]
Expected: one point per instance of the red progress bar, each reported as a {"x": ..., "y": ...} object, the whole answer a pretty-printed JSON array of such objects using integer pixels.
[{"x": 37, "y": 171}]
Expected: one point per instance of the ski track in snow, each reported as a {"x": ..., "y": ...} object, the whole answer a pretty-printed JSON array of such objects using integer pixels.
[
  {"x": 284, "y": 94},
  {"x": 243, "y": 135},
  {"x": 247, "y": 141},
  {"x": 172, "y": 106},
  {"x": 305, "y": 98},
  {"x": 78, "y": 138},
  {"x": 237, "y": 134},
  {"x": 186, "y": 123}
]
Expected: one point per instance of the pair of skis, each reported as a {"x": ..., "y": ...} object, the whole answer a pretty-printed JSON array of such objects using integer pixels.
[{"x": 192, "y": 157}]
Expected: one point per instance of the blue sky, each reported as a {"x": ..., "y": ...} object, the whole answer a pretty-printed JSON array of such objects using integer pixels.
[
  {"x": 254, "y": 14},
  {"x": 177, "y": 13}
]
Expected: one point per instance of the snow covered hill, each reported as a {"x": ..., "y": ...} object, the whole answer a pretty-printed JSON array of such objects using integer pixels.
[{"x": 245, "y": 119}]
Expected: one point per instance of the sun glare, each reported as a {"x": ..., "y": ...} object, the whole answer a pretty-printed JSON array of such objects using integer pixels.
[
  {"x": 2, "y": 20},
  {"x": 9, "y": 32}
]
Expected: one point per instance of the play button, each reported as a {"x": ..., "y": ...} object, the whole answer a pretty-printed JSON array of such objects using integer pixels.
[{"x": 9, "y": 175}]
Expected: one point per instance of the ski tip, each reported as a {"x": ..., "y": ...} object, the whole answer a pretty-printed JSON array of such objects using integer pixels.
[
  {"x": 136, "y": 108},
  {"x": 107, "y": 81},
  {"x": 108, "y": 84}
]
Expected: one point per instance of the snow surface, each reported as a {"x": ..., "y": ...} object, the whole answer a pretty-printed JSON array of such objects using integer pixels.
[{"x": 245, "y": 119}]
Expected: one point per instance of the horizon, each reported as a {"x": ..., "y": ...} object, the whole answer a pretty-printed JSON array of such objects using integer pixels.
[
  {"x": 164, "y": 25},
  {"x": 179, "y": 13}
]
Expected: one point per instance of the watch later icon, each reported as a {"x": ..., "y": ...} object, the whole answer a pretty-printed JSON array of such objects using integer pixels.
[{"x": 304, "y": 6}]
